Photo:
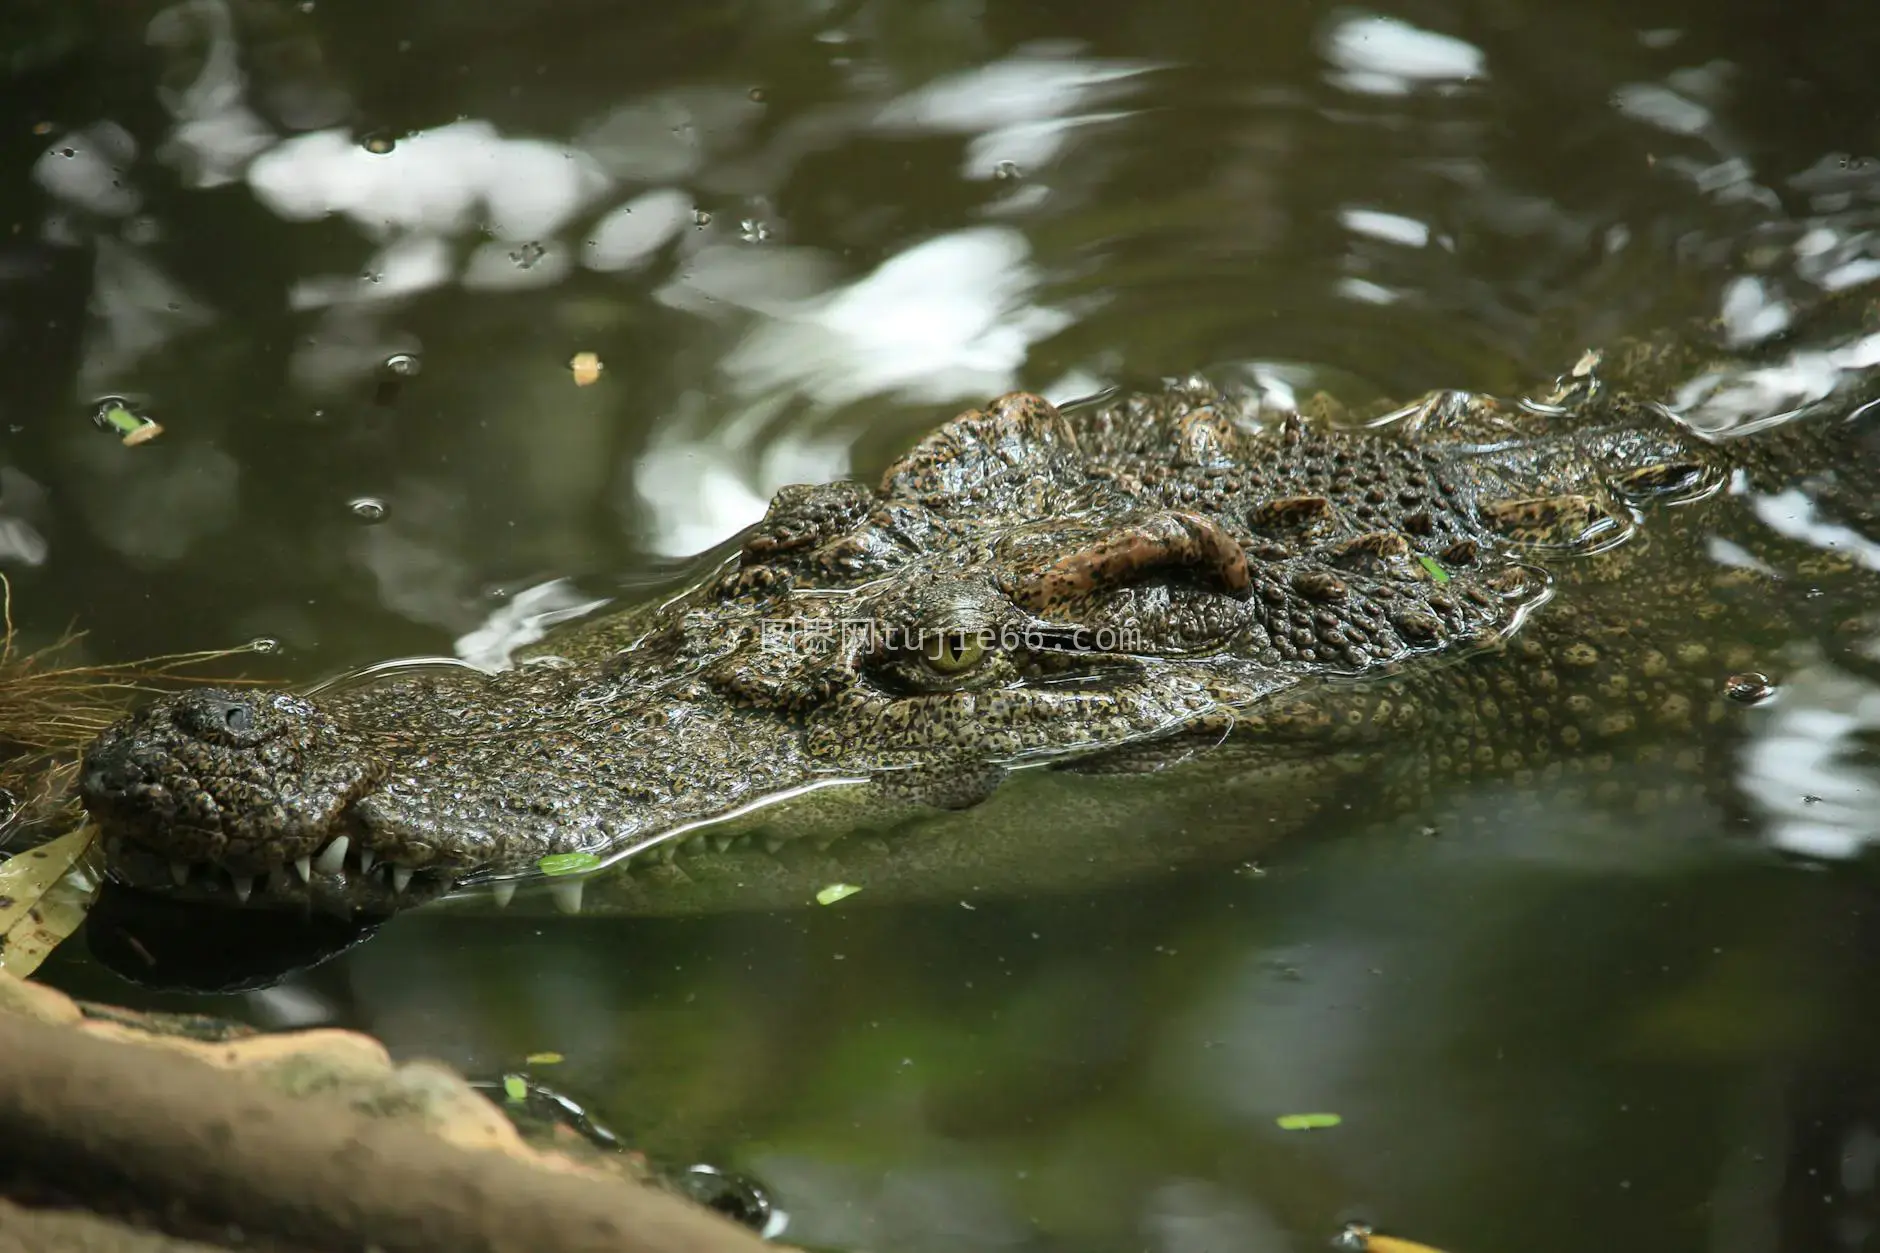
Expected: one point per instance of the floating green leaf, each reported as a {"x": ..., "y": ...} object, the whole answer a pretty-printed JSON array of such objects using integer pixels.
[
  {"x": 1435, "y": 568},
  {"x": 836, "y": 892},
  {"x": 516, "y": 1088},
  {"x": 1307, "y": 1122},
  {"x": 544, "y": 1059},
  {"x": 120, "y": 419},
  {"x": 567, "y": 863}
]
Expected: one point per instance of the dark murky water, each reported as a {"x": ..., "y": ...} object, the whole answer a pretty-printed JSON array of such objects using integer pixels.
[{"x": 345, "y": 253}]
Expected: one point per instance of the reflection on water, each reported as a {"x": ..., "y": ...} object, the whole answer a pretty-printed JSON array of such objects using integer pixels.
[
  {"x": 1385, "y": 56},
  {"x": 796, "y": 236},
  {"x": 947, "y": 320},
  {"x": 1808, "y": 767}
]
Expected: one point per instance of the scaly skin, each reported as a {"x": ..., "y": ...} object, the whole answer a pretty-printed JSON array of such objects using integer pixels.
[{"x": 1173, "y": 603}]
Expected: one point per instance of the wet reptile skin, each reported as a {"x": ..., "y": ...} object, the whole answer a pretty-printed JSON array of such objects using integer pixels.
[{"x": 1171, "y": 600}]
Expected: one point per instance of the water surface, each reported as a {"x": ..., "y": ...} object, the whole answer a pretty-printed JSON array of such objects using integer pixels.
[{"x": 346, "y": 252}]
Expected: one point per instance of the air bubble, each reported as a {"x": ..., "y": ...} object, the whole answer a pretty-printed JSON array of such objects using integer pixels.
[
  {"x": 701, "y": 218},
  {"x": 741, "y": 1199},
  {"x": 1749, "y": 688},
  {"x": 264, "y": 644},
  {"x": 378, "y": 143},
  {"x": 394, "y": 372},
  {"x": 367, "y": 509},
  {"x": 753, "y": 231},
  {"x": 1354, "y": 1238},
  {"x": 1007, "y": 171}
]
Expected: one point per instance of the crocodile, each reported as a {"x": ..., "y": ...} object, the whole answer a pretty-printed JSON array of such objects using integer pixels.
[{"x": 1042, "y": 627}]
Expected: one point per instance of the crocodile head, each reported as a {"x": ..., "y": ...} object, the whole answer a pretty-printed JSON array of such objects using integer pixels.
[{"x": 1106, "y": 589}]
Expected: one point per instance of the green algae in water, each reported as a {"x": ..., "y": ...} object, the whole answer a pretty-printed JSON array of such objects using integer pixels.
[
  {"x": 516, "y": 1088},
  {"x": 567, "y": 863},
  {"x": 1435, "y": 568},
  {"x": 836, "y": 892}
]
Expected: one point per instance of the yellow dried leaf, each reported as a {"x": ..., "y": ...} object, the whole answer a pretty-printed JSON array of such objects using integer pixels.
[
  {"x": 587, "y": 368},
  {"x": 1393, "y": 1244},
  {"x": 44, "y": 894},
  {"x": 1359, "y": 1238}
]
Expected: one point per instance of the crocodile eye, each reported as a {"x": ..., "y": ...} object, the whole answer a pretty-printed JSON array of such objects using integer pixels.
[
  {"x": 954, "y": 652},
  {"x": 218, "y": 717}
]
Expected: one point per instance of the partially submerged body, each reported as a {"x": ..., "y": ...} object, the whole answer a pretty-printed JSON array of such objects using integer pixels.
[{"x": 1157, "y": 602}]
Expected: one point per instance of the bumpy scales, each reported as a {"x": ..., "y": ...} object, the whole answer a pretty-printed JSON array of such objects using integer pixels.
[{"x": 1157, "y": 585}]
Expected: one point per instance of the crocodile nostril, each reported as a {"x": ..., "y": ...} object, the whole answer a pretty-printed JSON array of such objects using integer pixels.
[
  {"x": 106, "y": 771},
  {"x": 237, "y": 717}
]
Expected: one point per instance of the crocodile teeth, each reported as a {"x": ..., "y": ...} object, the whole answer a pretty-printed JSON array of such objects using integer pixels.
[
  {"x": 567, "y": 895},
  {"x": 721, "y": 843},
  {"x": 401, "y": 878},
  {"x": 506, "y": 892},
  {"x": 244, "y": 884},
  {"x": 304, "y": 866},
  {"x": 333, "y": 857},
  {"x": 366, "y": 858},
  {"x": 179, "y": 873},
  {"x": 772, "y": 844}
]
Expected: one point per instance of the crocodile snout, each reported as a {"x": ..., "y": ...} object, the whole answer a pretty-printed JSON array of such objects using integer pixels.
[{"x": 216, "y": 792}]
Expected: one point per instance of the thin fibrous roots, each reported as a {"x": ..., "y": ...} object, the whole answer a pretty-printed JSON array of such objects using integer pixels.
[{"x": 49, "y": 712}]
